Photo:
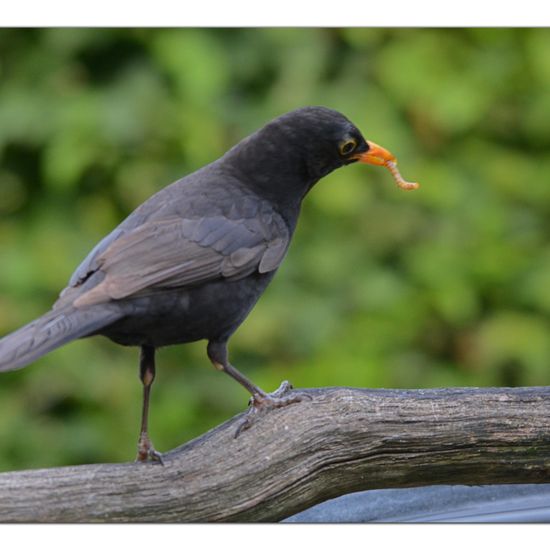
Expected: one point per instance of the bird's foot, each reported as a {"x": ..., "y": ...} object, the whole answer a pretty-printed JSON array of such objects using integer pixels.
[
  {"x": 146, "y": 451},
  {"x": 260, "y": 404}
]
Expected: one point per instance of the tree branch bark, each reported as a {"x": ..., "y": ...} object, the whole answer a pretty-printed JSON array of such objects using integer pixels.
[{"x": 341, "y": 441}]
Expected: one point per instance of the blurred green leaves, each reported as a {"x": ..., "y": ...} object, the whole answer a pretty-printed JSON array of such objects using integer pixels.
[{"x": 444, "y": 286}]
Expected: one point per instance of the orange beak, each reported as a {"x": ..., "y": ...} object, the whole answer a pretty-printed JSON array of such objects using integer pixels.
[{"x": 376, "y": 155}]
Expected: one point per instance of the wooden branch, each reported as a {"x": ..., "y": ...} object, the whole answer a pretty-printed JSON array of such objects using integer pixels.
[{"x": 343, "y": 440}]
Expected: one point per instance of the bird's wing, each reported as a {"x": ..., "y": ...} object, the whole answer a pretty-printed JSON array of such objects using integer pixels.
[{"x": 184, "y": 252}]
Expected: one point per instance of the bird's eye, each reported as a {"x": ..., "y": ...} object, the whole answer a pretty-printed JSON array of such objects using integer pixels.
[{"x": 348, "y": 146}]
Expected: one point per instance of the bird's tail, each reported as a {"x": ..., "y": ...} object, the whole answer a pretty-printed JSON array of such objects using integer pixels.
[{"x": 50, "y": 331}]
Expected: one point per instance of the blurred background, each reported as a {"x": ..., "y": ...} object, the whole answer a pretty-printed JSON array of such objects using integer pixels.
[{"x": 446, "y": 286}]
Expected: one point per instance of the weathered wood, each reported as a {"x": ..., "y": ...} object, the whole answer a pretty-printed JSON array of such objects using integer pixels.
[{"x": 343, "y": 440}]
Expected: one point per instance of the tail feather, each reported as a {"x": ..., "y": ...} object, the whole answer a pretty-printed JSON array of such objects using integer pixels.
[{"x": 55, "y": 328}]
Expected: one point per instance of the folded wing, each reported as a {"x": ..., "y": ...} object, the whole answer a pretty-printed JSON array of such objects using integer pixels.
[{"x": 179, "y": 252}]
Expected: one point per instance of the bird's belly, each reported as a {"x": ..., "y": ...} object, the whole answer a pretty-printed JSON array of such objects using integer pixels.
[{"x": 212, "y": 311}]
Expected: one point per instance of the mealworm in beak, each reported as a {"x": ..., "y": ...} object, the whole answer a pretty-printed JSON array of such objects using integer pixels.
[{"x": 401, "y": 183}]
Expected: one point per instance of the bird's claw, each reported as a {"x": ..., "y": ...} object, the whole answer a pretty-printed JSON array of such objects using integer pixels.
[
  {"x": 147, "y": 453},
  {"x": 260, "y": 404}
]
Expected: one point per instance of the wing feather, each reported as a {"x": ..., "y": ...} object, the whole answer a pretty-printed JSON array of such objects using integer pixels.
[{"x": 179, "y": 252}]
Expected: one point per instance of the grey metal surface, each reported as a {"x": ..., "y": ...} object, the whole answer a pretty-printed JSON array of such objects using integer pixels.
[{"x": 442, "y": 503}]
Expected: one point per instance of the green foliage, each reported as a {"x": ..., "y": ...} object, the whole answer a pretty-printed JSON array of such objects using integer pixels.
[{"x": 446, "y": 286}]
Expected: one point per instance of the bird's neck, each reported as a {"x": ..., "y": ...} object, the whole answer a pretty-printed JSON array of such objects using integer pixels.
[{"x": 280, "y": 177}]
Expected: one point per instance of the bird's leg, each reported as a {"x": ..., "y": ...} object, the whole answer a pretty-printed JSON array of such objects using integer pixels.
[
  {"x": 146, "y": 451},
  {"x": 260, "y": 402}
]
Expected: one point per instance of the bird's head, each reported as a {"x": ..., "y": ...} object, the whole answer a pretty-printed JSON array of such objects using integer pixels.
[{"x": 292, "y": 152}]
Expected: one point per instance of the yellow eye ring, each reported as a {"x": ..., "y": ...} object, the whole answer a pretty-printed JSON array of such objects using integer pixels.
[{"x": 348, "y": 146}]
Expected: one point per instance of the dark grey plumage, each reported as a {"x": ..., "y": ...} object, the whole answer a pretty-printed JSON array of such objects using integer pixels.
[{"x": 191, "y": 261}]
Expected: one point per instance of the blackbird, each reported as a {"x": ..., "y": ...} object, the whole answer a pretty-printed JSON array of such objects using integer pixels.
[{"x": 191, "y": 262}]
